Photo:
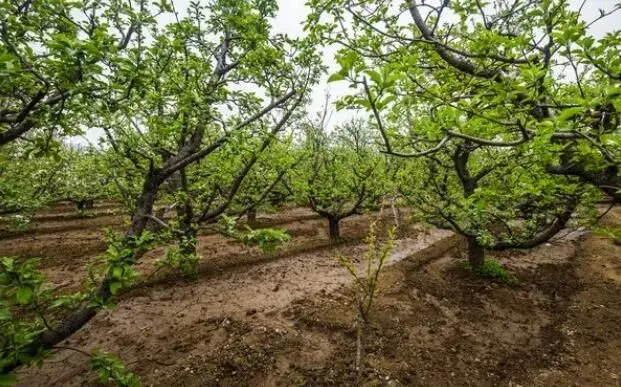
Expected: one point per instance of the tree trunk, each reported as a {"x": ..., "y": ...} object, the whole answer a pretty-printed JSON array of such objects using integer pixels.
[
  {"x": 188, "y": 232},
  {"x": 144, "y": 206},
  {"x": 86, "y": 204},
  {"x": 476, "y": 253},
  {"x": 251, "y": 215},
  {"x": 335, "y": 233}
]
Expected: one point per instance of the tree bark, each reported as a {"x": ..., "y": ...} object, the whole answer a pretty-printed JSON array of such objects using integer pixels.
[
  {"x": 335, "y": 232},
  {"x": 251, "y": 215},
  {"x": 185, "y": 215},
  {"x": 607, "y": 180},
  {"x": 86, "y": 204},
  {"x": 144, "y": 207},
  {"x": 542, "y": 236},
  {"x": 154, "y": 226},
  {"x": 476, "y": 253}
]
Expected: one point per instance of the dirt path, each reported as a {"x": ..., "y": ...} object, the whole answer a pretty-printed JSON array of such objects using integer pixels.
[{"x": 593, "y": 325}]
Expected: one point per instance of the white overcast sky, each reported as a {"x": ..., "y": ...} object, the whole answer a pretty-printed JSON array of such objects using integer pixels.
[{"x": 292, "y": 14}]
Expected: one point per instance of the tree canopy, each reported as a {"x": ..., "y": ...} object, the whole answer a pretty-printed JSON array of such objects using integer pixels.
[{"x": 496, "y": 119}]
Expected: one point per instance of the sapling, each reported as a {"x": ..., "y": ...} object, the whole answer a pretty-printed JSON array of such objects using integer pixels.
[{"x": 366, "y": 281}]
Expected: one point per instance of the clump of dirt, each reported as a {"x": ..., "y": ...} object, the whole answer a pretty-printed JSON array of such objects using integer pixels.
[{"x": 232, "y": 350}]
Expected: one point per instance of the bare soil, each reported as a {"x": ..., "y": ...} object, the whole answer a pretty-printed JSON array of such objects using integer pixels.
[{"x": 288, "y": 319}]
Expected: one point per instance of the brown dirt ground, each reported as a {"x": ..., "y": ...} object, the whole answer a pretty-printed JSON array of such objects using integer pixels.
[{"x": 287, "y": 319}]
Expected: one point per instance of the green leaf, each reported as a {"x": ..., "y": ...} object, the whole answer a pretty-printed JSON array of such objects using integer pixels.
[
  {"x": 117, "y": 272},
  {"x": 115, "y": 287},
  {"x": 569, "y": 113},
  {"x": 336, "y": 77},
  {"x": 24, "y": 295},
  {"x": 375, "y": 77},
  {"x": 383, "y": 103}
]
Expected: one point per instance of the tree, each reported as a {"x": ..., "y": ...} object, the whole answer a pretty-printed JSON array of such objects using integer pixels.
[
  {"x": 52, "y": 62},
  {"x": 181, "y": 93},
  {"x": 495, "y": 204},
  {"x": 508, "y": 88},
  {"x": 342, "y": 173},
  {"x": 264, "y": 184},
  {"x": 231, "y": 182},
  {"x": 84, "y": 178},
  {"x": 505, "y": 73},
  {"x": 27, "y": 181}
]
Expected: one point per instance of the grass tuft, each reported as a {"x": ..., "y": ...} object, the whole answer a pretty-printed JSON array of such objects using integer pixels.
[{"x": 493, "y": 270}]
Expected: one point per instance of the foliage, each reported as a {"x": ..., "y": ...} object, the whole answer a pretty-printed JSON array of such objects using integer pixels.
[
  {"x": 84, "y": 178},
  {"x": 17, "y": 222},
  {"x": 611, "y": 233},
  {"x": 493, "y": 270},
  {"x": 20, "y": 282},
  {"x": 54, "y": 63},
  {"x": 265, "y": 184},
  {"x": 512, "y": 125},
  {"x": 499, "y": 122},
  {"x": 117, "y": 262},
  {"x": 27, "y": 183},
  {"x": 24, "y": 300},
  {"x": 179, "y": 258},
  {"x": 227, "y": 227},
  {"x": 110, "y": 370},
  {"x": 210, "y": 91},
  {"x": 266, "y": 239},
  {"x": 8, "y": 380},
  {"x": 367, "y": 280},
  {"x": 490, "y": 84},
  {"x": 21, "y": 289},
  {"x": 342, "y": 172},
  {"x": 486, "y": 196}
]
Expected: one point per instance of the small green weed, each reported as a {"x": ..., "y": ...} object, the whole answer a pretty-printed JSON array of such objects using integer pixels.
[
  {"x": 611, "y": 233},
  {"x": 111, "y": 370},
  {"x": 494, "y": 271},
  {"x": 84, "y": 214},
  {"x": 17, "y": 223}
]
